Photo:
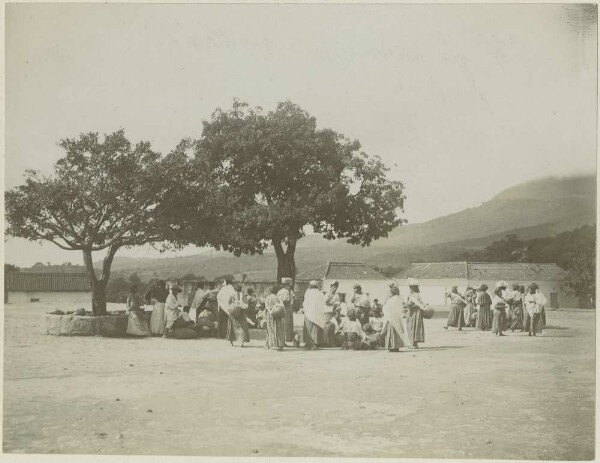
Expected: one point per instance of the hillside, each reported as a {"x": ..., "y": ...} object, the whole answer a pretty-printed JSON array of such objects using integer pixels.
[{"x": 535, "y": 209}]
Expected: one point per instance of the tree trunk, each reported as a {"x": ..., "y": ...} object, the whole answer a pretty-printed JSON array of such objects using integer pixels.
[
  {"x": 286, "y": 261},
  {"x": 98, "y": 286},
  {"x": 99, "y": 298}
]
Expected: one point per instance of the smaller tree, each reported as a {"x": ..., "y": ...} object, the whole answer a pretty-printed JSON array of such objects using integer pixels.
[
  {"x": 582, "y": 277},
  {"x": 102, "y": 196}
]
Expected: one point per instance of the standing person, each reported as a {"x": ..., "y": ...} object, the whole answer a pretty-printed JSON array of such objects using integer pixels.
[
  {"x": 287, "y": 297},
  {"x": 484, "y": 303},
  {"x": 158, "y": 296},
  {"x": 526, "y": 318},
  {"x": 275, "y": 331},
  {"x": 534, "y": 301},
  {"x": 393, "y": 331},
  {"x": 252, "y": 302},
  {"x": 414, "y": 319},
  {"x": 136, "y": 320},
  {"x": 196, "y": 305},
  {"x": 389, "y": 294},
  {"x": 242, "y": 304},
  {"x": 376, "y": 309},
  {"x": 173, "y": 314},
  {"x": 361, "y": 304},
  {"x": 314, "y": 316},
  {"x": 499, "y": 306},
  {"x": 228, "y": 302},
  {"x": 332, "y": 300},
  {"x": 516, "y": 308},
  {"x": 502, "y": 285},
  {"x": 470, "y": 308},
  {"x": 456, "y": 316}
]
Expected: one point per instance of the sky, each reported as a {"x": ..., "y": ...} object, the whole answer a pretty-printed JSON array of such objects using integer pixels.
[{"x": 461, "y": 101}]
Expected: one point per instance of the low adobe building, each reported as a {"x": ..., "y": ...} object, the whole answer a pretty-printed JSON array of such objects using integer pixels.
[
  {"x": 65, "y": 288},
  {"x": 436, "y": 278},
  {"x": 347, "y": 274}
]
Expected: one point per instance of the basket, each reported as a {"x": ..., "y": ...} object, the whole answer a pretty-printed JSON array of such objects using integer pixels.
[
  {"x": 278, "y": 312},
  {"x": 428, "y": 312}
]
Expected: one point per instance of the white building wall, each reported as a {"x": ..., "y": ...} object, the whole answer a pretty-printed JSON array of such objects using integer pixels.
[
  {"x": 433, "y": 291},
  {"x": 377, "y": 289},
  {"x": 81, "y": 298}
]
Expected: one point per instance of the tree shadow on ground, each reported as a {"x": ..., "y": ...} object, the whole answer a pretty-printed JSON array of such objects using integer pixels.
[
  {"x": 555, "y": 327},
  {"x": 437, "y": 348}
]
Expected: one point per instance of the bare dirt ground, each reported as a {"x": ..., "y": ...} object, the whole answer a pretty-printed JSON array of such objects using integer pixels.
[{"x": 462, "y": 395}]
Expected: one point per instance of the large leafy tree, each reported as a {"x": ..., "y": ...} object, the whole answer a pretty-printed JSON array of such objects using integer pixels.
[
  {"x": 102, "y": 196},
  {"x": 280, "y": 174}
]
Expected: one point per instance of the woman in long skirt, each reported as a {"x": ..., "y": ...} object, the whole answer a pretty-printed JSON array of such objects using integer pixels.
[
  {"x": 499, "y": 306},
  {"x": 230, "y": 302},
  {"x": 456, "y": 316},
  {"x": 136, "y": 321},
  {"x": 287, "y": 298},
  {"x": 516, "y": 308},
  {"x": 158, "y": 295},
  {"x": 534, "y": 302},
  {"x": 393, "y": 331},
  {"x": 469, "y": 309},
  {"x": 484, "y": 314},
  {"x": 414, "y": 320},
  {"x": 274, "y": 337}
]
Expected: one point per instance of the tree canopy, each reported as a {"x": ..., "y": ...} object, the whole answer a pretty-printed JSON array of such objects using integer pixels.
[
  {"x": 280, "y": 174},
  {"x": 103, "y": 195}
]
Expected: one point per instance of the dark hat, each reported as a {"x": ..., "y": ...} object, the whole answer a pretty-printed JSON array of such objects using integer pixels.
[{"x": 483, "y": 287}]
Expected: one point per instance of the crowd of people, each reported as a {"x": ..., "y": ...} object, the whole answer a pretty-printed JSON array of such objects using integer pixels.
[
  {"x": 520, "y": 309},
  {"x": 329, "y": 321}
]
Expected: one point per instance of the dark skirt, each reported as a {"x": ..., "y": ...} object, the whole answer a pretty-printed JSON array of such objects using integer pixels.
[
  {"x": 456, "y": 316},
  {"x": 312, "y": 334},
  {"x": 288, "y": 323},
  {"x": 237, "y": 329},
  {"x": 223, "y": 323},
  {"x": 484, "y": 317},
  {"x": 415, "y": 326},
  {"x": 526, "y": 320},
  {"x": 498, "y": 321},
  {"x": 352, "y": 341},
  {"x": 516, "y": 322},
  {"x": 329, "y": 335},
  {"x": 543, "y": 316},
  {"x": 535, "y": 324}
]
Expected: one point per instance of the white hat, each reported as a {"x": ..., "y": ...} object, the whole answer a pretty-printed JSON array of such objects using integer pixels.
[
  {"x": 501, "y": 283},
  {"x": 313, "y": 283},
  {"x": 413, "y": 282},
  {"x": 286, "y": 280}
]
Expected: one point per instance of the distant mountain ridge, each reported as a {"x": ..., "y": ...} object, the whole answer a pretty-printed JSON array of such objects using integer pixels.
[{"x": 538, "y": 208}]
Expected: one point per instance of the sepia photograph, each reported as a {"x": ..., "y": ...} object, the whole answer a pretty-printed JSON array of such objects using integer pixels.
[{"x": 317, "y": 230}]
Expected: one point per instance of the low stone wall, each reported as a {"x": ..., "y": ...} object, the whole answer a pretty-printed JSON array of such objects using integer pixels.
[{"x": 86, "y": 325}]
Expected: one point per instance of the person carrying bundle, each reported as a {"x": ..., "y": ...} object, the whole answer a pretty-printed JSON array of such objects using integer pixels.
[{"x": 456, "y": 315}]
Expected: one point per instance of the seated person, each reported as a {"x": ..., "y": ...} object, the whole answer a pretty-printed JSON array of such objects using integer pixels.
[
  {"x": 353, "y": 333},
  {"x": 372, "y": 338},
  {"x": 174, "y": 315},
  {"x": 206, "y": 325},
  {"x": 376, "y": 324}
]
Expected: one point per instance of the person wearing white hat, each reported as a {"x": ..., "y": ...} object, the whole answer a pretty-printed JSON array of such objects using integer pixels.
[
  {"x": 287, "y": 297},
  {"x": 456, "y": 314},
  {"x": 414, "y": 320},
  {"x": 314, "y": 316}
]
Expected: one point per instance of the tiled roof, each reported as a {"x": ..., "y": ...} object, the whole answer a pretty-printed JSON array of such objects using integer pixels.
[
  {"x": 435, "y": 271},
  {"x": 514, "y": 271},
  {"x": 47, "y": 282},
  {"x": 517, "y": 271},
  {"x": 341, "y": 271}
]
